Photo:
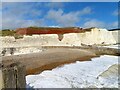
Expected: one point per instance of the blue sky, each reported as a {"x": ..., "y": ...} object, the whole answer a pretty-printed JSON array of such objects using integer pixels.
[{"x": 64, "y": 14}]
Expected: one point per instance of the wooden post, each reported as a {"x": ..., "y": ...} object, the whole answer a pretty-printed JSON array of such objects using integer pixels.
[{"x": 13, "y": 76}]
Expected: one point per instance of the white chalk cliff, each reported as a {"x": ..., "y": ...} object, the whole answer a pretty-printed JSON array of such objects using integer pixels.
[{"x": 95, "y": 36}]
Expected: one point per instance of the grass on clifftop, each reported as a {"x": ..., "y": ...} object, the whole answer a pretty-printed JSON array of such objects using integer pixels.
[
  {"x": 8, "y": 32},
  {"x": 34, "y": 27}
]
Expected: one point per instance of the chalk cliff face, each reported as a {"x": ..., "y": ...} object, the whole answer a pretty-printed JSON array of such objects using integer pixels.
[
  {"x": 93, "y": 36},
  {"x": 97, "y": 36},
  {"x": 116, "y": 35}
]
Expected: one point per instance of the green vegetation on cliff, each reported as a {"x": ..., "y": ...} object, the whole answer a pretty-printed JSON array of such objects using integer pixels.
[{"x": 7, "y": 32}]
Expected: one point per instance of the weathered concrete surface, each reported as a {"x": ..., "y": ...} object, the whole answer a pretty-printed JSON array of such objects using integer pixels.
[
  {"x": 110, "y": 75},
  {"x": 1, "y": 80},
  {"x": 111, "y": 71},
  {"x": 13, "y": 76}
]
